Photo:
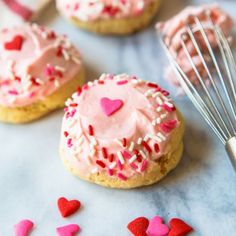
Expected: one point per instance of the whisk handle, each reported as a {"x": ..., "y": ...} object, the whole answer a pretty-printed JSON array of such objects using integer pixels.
[{"x": 231, "y": 150}]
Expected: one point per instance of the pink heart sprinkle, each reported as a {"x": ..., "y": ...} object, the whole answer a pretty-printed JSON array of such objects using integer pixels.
[
  {"x": 23, "y": 228},
  {"x": 109, "y": 106},
  {"x": 68, "y": 230},
  {"x": 157, "y": 228}
]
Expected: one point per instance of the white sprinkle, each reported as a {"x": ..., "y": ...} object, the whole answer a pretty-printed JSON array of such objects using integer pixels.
[
  {"x": 39, "y": 81},
  {"x": 131, "y": 147},
  {"x": 155, "y": 138},
  {"x": 133, "y": 158},
  {"x": 146, "y": 138},
  {"x": 94, "y": 141},
  {"x": 169, "y": 104},
  {"x": 66, "y": 55},
  {"x": 159, "y": 101},
  {"x": 158, "y": 120},
  {"x": 155, "y": 94},
  {"x": 161, "y": 136},
  {"x": 121, "y": 158},
  {"x": 56, "y": 83},
  {"x": 102, "y": 77},
  {"x": 134, "y": 81},
  {"x": 119, "y": 142},
  {"x": 44, "y": 34},
  {"x": 90, "y": 83},
  {"x": 154, "y": 123},
  {"x": 143, "y": 154},
  {"x": 163, "y": 116},
  {"x": 59, "y": 68},
  {"x": 113, "y": 165},
  {"x": 76, "y": 60},
  {"x": 139, "y": 141},
  {"x": 159, "y": 109}
]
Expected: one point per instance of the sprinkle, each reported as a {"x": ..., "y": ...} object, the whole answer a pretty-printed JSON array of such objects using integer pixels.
[
  {"x": 126, "y": 155},
  {"x": 92, "y": 152},
  {"x": 144, "y": 165},
  {"x": 159, "y": 109},
  {"x": 122, "y": 82},
  {"x": 110, "y": 172},
  {"x": 65, "y": 54},
  {"x": 159, "y": 101},
  {"x": 76, "y": 60},
  {"x": 163, "y": 116},
  {"x": 131, "y": 147},
  {"x": 122, "y": 177},
  {"x": 121, "y": 158},
  {"x": 120, "y": 166},
  {"x": 134, "y": 166},
  {"x": 154, "y": 122},
  {"x": 60, "y": 68},
  {"x": 79, "y": 90},
  {"x": 158, "y": 120},
  {"x": 155, "y": 138},
  {"x": 156, "y": 147},
  {"x": 111, "y": 157},
  {"x": 152, "y": 85},
  {"x": 69, "y": 142},
  {"x": 146, "y": 138},
  {"x": 90, "y": 83},
  {"x": 168, "y": 108},
  {"x": 66, "y": 133},
  {"x": 91, "y": 132},
  {"x": 73, "y": 105},
  {"x": 94, "y": 170},
  {"x": 101, "y": 82},
  {"x": 113, "y": 165},
  {"x": 142, "y": 153},
  {"x": 168, "y": 126},
  {"x": 104, "y": 152},
  {"x": 159, "y": 134},
  {"x": 146, "y": 146},
  {"x": 139, "y": 141},
  {"x": 156, "y": 94},
  {"x": 119, "y": 142},
  {"x": 133, "y": 158},
  {"x": 101, "y": 164},
  {"x": 169, "y": 104},
  {"x": 165, "y": 93},
  {"x": 124, "y": 142}
]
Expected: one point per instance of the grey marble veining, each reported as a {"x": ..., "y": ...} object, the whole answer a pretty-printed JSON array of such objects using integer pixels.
[{"x": 201, "y": 190}]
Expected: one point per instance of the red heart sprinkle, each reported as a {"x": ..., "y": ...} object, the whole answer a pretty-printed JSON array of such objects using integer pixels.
[
  {"x": 15, "y": 44},
  {"x": 67, "y": 207},
  {"x": 138, "y": 226},
  {"x": 179, "y": 227}
]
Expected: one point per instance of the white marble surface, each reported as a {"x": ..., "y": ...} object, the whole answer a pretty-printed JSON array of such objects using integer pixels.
[{"x": 202, "y": 190}]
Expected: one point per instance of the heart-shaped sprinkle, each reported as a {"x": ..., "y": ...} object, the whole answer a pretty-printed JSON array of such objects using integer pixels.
[
  {"x": 68, "y": 230},
  {"x": 109, "y": 106},
  {"x": 179, "y": 227},
  {"x": 23, "y": 228},
  {"x": 138, "y": 226},
  {"x": 157, "y": 228},
  {"x": 15, "y": 43},
  {"x": 67, "y": 207}
]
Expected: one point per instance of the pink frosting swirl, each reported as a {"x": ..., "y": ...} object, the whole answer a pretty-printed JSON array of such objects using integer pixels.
[
  {"x": 34, "y": 63},
  {"x": 103, "y": 9},
  {"x": 117, "y": 124}
]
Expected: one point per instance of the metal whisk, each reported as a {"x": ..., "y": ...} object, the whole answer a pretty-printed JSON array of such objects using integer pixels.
[{"x": 215, "y": 94}]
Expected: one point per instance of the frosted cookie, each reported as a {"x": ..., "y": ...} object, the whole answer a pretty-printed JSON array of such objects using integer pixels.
[
  {"x": 121, "y": 132},
  {"x": 39, "y": 71},
  {"x": 109, "y": 16},
  {"x": 174, "y": 27}
]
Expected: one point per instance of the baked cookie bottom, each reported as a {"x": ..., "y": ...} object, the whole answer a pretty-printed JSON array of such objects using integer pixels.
[
  {"x": 156, "y": 169},
  {"x": 121, "y": 26},
  {"x": 40, "y": 108}
]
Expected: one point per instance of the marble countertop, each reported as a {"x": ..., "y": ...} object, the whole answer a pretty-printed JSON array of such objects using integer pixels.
[{"x": 201, "y": 190}]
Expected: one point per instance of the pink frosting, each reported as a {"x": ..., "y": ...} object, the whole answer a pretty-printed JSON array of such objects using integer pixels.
[
  {"x": 89, "y": 10},
  {"x": 34, "y": 63},
  {"x": 118, "y": 125},
  {"x": 174, "y": 27}
]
